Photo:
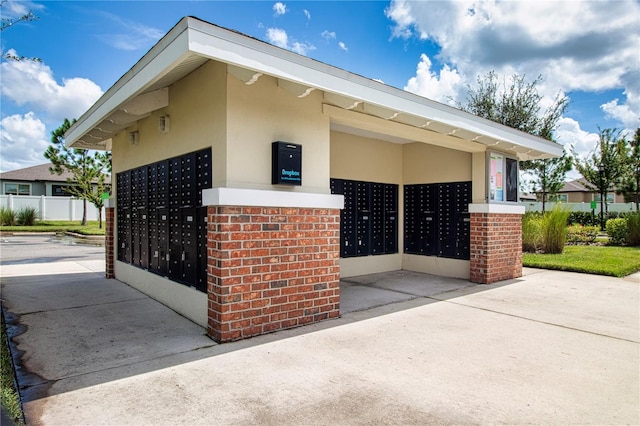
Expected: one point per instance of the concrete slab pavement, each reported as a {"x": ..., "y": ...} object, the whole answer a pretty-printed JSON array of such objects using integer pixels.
[{"x": 550, "y": 348}]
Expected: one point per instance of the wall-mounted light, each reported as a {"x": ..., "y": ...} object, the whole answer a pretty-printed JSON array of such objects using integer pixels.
[
  {"x": 164, "y": 123},
  {"x": 134, "y": 137}
]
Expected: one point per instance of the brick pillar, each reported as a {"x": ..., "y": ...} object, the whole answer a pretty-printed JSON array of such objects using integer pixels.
[
  {"x": 496, "y": 245},
  {"x": 271, "y": 268},
  {"x": 110, "y": 216}
]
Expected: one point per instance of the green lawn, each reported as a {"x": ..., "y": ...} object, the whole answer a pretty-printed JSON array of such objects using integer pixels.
[
  {"x": 91, "y": 228},
  {"x": 599, "y": 260}
]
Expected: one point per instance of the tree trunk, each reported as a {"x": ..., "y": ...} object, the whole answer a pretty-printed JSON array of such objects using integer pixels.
[
  {"x": 100, "y": 218},
  {"x": 84, "y": 212}
]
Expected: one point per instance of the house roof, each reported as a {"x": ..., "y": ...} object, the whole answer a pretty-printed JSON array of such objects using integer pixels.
[
  {"x": 578, "y": 185},
  {"x": 36, "y": 174},
  {"x": 350, "y": 100}
]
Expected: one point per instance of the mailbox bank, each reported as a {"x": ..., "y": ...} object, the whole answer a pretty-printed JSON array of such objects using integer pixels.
[{"x": 278, "y": 175}]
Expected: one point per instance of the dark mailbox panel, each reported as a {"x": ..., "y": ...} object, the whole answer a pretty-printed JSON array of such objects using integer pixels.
[
  {"x": 437, "y": 220},
  {"x": 161, "y": 226},
  {"x": 368, "y": 222}
]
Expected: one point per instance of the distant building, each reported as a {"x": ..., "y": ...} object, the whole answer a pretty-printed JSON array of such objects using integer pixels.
[
  {"x": 36, "y": 180},
  {"x": 578, "y": 191}
]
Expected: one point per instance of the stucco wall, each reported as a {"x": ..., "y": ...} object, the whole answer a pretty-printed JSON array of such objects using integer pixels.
[
  {"x": 264, "y": 112},
  {"x": 197, "y": 113},
  {"x": 432, "y": 164}
]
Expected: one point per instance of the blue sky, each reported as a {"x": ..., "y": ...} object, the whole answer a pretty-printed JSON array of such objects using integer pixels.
[{"x": 588, "y": 50}]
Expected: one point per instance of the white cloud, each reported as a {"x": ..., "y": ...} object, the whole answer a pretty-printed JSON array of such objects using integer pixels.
[
  {"x": 328, "y": 35},
  {"x": 585, "y": 45},
  {"x": 343, "y": 46},
  {"x": 279, "y": 8},
  {"x": 279, "y": 37},
  {"x": 17, "y": 9},
  {"x": 23, "y": 140},
  {"x": 307, "y": 14},
  {"x": 626, "y": 113},
  {"x": 131, "y": 36},
  {"x": 32, "y": 84},
  {"x": 440, "y": 87}
]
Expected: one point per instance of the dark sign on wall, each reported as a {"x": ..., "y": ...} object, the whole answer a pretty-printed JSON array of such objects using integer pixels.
[{"x": 286, "y": 163}]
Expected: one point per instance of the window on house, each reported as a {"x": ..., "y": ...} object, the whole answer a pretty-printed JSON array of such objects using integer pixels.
[
  {"x": 17, "y": 189},
  {"x": 562, "y": 198},
  {"x": 502, "y": 178},
  {"x": 610, "y": 197}
]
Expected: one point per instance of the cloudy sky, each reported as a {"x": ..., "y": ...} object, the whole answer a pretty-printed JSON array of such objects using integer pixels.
[{"x": 587, "y": 50}]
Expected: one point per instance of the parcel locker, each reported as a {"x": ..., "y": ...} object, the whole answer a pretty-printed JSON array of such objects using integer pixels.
[
  {"x": 162, "y": 216},
  {"x": 143, "y": 235},
  {"x": 189, "y": 266},
  {"x": 135, "y": 237},
  {"x": 124, "y": 243},
  {"x": 154, "y": 253}
]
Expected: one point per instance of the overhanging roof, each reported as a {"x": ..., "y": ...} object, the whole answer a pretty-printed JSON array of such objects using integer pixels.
[{"x": 355, "y": 104}]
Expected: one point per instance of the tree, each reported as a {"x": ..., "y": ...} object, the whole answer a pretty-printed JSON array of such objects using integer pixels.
[
  {"x": 630, "y": 183},
  {"x": 7, "y": 23},
  {"x": 89, "y": 169},
  {"x": 606, "y": 165},
  {"x": 517, "y": 105}
]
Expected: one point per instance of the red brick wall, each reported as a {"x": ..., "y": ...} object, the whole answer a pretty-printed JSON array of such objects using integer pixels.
[
  {"x": 109, "y": 241},
  {"x": 496, "y": 247},
  {"x": 271, "y": 269}
]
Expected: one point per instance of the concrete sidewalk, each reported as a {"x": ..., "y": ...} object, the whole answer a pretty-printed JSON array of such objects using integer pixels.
[{"x": 550, "y": 348}]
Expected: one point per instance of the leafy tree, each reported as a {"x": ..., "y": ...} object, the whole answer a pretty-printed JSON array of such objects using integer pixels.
[
  {"x": 517, "y": 104},
  {"x": 6, "y": 23},
  {"x": 630, "y": 184},
  {"x": 606, "y": 165},
  {"x": 89, "y": 169}
]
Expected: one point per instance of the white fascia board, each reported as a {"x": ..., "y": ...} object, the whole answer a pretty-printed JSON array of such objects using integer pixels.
[
  {"x": 232, "y": 48},
  {"x": 171, "y": 50},
  {"x": 265, "y": 198}
]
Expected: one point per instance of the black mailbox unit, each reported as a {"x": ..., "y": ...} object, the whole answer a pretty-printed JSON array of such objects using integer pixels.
[{"x": 286, "y": 163}]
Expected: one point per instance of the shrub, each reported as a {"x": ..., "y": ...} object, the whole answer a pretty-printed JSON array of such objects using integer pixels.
[
  {"x": 579, "y": 234},
  {"x": 554, "y": 230},
  {"x": 26, "y": 216},
  {"x": 584, "y": 219},
  {"x": 617, "y": 231},
  {"x": 531, "y": 232},
  {"x": 7, "y": 217},
  {"x": 633, "y": 229}
]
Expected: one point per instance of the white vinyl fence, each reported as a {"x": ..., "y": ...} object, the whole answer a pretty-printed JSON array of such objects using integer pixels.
[
  {"x": 51, "y": 208},
  {"x": 580, "y": 207}
]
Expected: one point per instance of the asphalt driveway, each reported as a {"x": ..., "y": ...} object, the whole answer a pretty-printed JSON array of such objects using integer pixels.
[{"x": 550, "y": 348}]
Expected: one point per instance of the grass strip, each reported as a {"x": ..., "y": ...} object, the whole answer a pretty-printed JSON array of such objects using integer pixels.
[
  {"x": 9, "y": 397},
  {"x": 91, "y": 228},
  {"x": 598, "y": 260}
]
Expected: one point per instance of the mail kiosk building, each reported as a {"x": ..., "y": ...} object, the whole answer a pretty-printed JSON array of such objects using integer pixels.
[{"x": 248, "y": 179}]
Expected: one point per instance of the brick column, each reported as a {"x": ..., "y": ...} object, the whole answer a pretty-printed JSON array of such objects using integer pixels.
[
  {"x": 496, "y": 242},
  {"x": 271, "y": 268},
  {"x": 110, "y": 216}
]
